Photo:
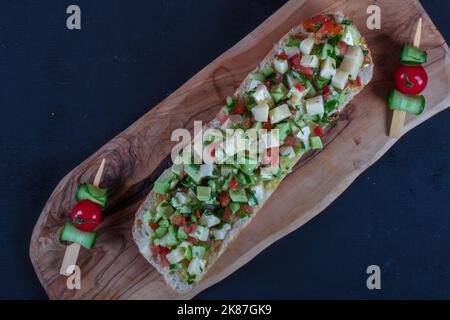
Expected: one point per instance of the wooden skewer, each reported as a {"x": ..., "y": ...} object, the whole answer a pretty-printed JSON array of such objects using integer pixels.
[
  {"x": 71, "y": 254},
  {"x": 398, "y": 116}
]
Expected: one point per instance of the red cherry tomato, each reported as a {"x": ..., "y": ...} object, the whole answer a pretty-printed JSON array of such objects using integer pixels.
[
  {"x": 411, "y": 79},
  {"x": 86, "y": 215}
]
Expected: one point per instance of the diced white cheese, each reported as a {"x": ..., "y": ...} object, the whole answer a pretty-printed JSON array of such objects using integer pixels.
[
  {"x": 279, "y": 113},
  {"x": 258, "y": 191},
  {"x": 328, "y": 68},
  {"x": 295, "y": 95},
  {"x": 253, "y": 84},
  {"x": 175, "y": 255},
  {"x": 219, "y": 234},
  {"x": 352, "y": 62},
  {"x": 280, "y": 65},
  {"x": 209, "y": 220},
  {"x": 261, "y": 112},
  {"x": 291, "y": 51},
  {"x": 287, "y": 151},
  {"x": 309, "y": 61},
  {"x": 269, "y": 171},
  {"x": 225, "y": 171},
  {"x": 314, "y": 106},
  {"x": 340, "y": 79},
  {"x": 200, "y": 233},
  {"x": 306, "y": 45},
  {"x": 304, "y": 134},
  {"x": 196, "y": 267},
  {"x": 262, "y": 95},
  {"x": 206, "y": 170},
  {"x": 234, "y": 144}
]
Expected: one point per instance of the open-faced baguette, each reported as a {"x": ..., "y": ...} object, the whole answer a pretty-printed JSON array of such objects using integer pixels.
[{"x": 142, "y": 233}]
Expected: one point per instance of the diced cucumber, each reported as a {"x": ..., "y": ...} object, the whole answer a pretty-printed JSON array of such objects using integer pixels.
[
  {"x": 181, "y": 234},
  {"x": 278, "y": 92},
  {"x": 164, "y": 208},
  {"x": 177, "y": 169},
  {"x": 163, "y": 183},
  {"x": 238, "y": 195},
  {"x": 90, "y": 192},
  {"x": 283, "y": 130},
  {"x": 72, "y": 234},
  {"x": 257, "y": 76},
  {"x": 198, "y": 251},
  {"x": 193, "y": 171},
  {"x": 411, "y": 55},
  {"x": 400, "y": 101},
  {"x": 327, "y": 50},
  {"x": 234, "y": 207},
  {"x": 160, "y": 232},
  {"x": 280, "y": 65},
  {"x": 268, "y": 72},
  {"x": 164, "y": 223},
  {"x": 316, "y": 143},
  {"x": 203, "y": 193}
]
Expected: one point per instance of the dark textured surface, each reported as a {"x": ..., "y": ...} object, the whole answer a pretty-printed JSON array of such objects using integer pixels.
[{"x": 65, "y": 93}]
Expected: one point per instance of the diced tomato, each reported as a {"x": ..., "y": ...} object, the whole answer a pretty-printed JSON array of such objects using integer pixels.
[
  {"x": 282, "y": 56},
  {"x": 185, "y": 189},
  {"x": 246, "y": 123},
  {"x": 189, "y": 229},
  {"x": 311, "y": 24},
  {"x": 224, "y": 199},
  {"x": 289, "y": 141},
  {"x": 342, "y": 48},
  {"x": 295, "y": 59},
  {"x": 160, "y": 197},
  {"x": 233, "y": 184},
  {"x": 318, "y": 131},
  {"x": 238, "y": 108},
  {"x": 164, "y": 262},
  {"x": 153, "y": 225},
  {"x": 245, "y": 208},
  {"x": 222, "y": 116},
  {"x": 252, "y": 119},
  {"x": 160, "y": 250},
  {"x": 197, "y": 213},
  {"x": 356, "y": 83},
  {"x": 308, "y": 71},
  {"x": 338, "y": 29},
  {"x": 267, "y": 125},
  {"x": 213, "y": 152},
  {"x": 326, "y": 90},
  {"x": 299, "y": 87},
  {"x": 178, "y": 220},
  {"x": 326, "y": 28},
  {"x": 271, "y": 157},
  {"x": 192, "y": 240},
  {"x": 326, "y": 93},
  {"x": 227, "y": 215}
]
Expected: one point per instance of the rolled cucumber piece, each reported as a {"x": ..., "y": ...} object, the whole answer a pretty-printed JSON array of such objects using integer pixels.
[{"x": 72, "y": 234}]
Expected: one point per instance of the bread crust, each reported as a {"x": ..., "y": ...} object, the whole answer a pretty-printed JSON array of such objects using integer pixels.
[{"x": 142, "y": 233}]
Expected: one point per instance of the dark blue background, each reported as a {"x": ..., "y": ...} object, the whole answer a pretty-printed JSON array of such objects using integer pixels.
[{"x": 65, "y": 93}]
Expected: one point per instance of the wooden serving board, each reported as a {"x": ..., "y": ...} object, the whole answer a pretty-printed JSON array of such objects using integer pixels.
[{"x": 114, "y": 269}]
